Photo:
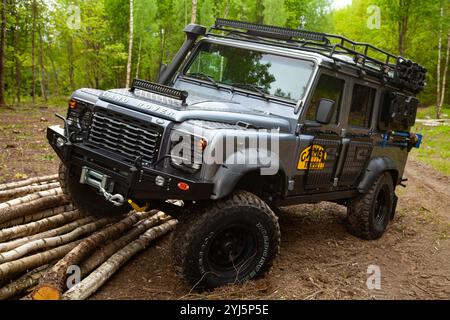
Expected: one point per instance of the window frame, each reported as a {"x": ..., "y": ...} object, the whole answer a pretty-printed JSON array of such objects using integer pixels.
[{"x": 335, "y": 127}]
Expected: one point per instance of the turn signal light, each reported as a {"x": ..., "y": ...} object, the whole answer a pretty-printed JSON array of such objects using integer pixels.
[{"x": 183, "y": 186}]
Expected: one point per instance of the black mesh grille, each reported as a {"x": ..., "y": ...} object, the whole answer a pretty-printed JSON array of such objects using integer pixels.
[{"x": 131, "y": 138}]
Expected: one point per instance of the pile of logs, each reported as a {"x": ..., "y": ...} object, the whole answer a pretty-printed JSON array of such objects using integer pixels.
[{"x": 49, "y": 250}]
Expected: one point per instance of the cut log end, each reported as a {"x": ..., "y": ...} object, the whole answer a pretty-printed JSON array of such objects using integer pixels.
[{"x": 46, "y": 292}]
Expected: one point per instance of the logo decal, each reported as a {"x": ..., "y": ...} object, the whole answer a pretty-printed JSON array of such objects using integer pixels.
[{"x": 312, "y": 158}]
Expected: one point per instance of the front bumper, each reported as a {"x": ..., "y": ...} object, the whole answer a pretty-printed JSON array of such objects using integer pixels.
[{"x": 131, "y": 182}]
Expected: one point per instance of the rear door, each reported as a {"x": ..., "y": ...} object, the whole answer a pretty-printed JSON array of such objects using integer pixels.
[{"x": 357, "y": 144}]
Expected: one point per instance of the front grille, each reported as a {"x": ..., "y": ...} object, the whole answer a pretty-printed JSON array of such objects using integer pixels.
[{"x": 129, "y": 137}]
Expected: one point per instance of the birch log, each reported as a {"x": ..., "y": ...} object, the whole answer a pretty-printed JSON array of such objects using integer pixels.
[
  {"x": 51, "y": 242},
  {"x": 38, "y": 216},
  {"x": 107, "y": 251},
  {"x": 9, "y": 194},
  {"x": 6, "y": 246},
  {"x": 25, "y": 282},
  {"x": 13, "y": 267},
  {"x": 23, "y": 183},
  {"x": 52, "y": 284},
  {"x": 39, "y": 226},
  {"x": 95, "y": 280},
  {"x": 13, "y": 211}
]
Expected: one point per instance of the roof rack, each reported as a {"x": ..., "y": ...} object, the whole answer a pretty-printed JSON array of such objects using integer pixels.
[{"x": 368, "y": 59}]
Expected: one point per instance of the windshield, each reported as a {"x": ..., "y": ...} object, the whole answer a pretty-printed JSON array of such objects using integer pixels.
[{"x": 263, "y": 73}]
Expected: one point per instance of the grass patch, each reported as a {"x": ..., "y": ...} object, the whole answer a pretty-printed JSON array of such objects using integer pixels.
[
  {"x": 435, "y": 149},
  {"x": 430, "y": 112}
]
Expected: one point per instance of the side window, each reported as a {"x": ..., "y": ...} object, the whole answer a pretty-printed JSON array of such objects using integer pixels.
[
  {"x": 328, "y": 88},
  {"x": 362, "y": 106}
]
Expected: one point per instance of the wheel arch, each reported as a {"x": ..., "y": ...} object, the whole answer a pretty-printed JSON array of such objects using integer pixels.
[{"x": 376, "y": 167}]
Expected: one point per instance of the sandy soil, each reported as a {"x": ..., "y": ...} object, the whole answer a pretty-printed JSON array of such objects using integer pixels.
[{"x": 318, "y": 258}]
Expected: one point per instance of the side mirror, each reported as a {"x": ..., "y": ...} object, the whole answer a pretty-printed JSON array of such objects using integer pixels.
[{"x": 325, "y": 111}]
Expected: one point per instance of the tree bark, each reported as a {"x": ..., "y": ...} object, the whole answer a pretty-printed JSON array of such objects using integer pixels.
[
  {"x": 2, "y": 54},
  {"x": 17, "y": 56},
  {"x": 95, "y": 280},
  {"x": 194, "y": 11},
  {"x": 130, "y": 46}
]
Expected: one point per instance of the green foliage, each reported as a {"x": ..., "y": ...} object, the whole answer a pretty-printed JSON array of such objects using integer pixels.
[{"x": 95, "y": 54}]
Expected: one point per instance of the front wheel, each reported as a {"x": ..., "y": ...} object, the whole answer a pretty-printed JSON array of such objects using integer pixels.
[
  {"x": 230, "y": 241},
  {"x": 86, "y": 198},
  {"x": 369, "y": 214}
]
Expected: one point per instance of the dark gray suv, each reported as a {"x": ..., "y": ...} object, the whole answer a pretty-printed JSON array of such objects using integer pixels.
[{"x": 247, "y": 118}]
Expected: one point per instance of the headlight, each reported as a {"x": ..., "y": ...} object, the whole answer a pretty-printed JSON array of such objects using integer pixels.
[
  {"x": 187, "y": 151},
  {"x": 79, "y": 115}
]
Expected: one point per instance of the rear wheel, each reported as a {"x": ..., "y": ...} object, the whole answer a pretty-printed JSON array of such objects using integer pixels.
[
  {"x": 86, "y": 198},
  {"x": 230, "y": 241},
  {"x": 369, "y": 214}
]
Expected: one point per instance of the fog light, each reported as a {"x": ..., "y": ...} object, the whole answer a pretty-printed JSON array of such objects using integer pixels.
[
  {"x": 160, "y": 181},
  {"x": 60, "y": 142}
]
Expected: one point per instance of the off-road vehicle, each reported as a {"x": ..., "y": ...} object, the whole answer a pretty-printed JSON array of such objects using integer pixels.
[{"x": 331, "y": 119}]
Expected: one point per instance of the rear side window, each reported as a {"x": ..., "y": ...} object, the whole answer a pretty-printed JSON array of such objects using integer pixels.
[
  {"x": 362, "y": 106},
  {"x": 328, "y": 88}
]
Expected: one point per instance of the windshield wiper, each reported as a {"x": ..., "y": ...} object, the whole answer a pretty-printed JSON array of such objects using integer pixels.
[
  {"x": 252, "y": 87},
  {"x": 203, "y": 76}
]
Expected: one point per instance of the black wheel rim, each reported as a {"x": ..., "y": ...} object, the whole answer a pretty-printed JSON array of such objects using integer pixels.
[
  {"x": 232, "y": 251},
  {"x": 382, "y": 206}
]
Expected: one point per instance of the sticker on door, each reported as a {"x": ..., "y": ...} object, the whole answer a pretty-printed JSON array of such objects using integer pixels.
[{"x": 312, "y": 158}]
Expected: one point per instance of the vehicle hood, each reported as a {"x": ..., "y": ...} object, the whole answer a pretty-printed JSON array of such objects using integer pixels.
[{"x": 199, "y": 107}]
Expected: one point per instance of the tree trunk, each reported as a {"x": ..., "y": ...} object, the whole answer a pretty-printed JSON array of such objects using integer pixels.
[
  {"x": 33, "y": 51},
  {"x": 95, "y": 280},
  {"x": 139, "y": 58},
  {"x": 402, "y": 32},
  {"x": 17, "y": 56},
  {"x": 42, "y": 67},
  {"x": 2, "y": 54},
  {"x": 444, "y": 80},
  {"x": 194, "y": 11},
  {"x": 130, "y": 47},
  {"x": 438, "y": 98},
  {"x": 71, "y": 63}
]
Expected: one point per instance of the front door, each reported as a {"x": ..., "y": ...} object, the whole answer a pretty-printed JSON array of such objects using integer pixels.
[{"x": 318, "y": 158}]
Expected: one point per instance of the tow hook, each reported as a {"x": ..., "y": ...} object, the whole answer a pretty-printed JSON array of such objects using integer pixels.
[
  {"x": 116, "y": 199},
  {"x": 136, "y": 207}
]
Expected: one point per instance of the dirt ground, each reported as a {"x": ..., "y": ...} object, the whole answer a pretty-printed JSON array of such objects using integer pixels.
[{"x": 318, "y": 258}]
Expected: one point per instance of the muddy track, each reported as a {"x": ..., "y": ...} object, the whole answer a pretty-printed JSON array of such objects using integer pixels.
[{"x": 320, "y": 260}]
